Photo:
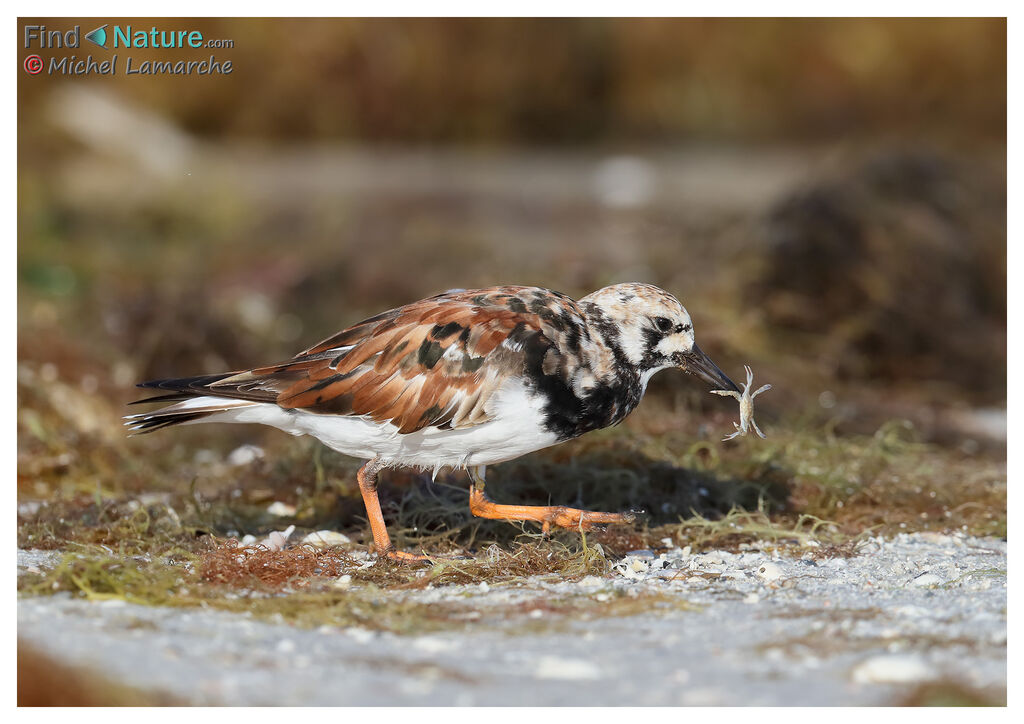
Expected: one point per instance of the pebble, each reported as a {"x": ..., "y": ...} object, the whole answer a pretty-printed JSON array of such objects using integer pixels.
[
  {"x": 278, "y": 538},
  {"x": 899, "y": 669},
  {"x": 343, "y": 582},
  {"x": 663, "y": 561},
  {"x": 926, "y": 580},
  {"x": 244, "y": 455},
  {"x": 769, "y": 572},
  {"x": 641, "y": 554},
  {"x": 633, "y": 568},
  {"x": 281, "y": 509},
  {"x": 326, "y": 539}
]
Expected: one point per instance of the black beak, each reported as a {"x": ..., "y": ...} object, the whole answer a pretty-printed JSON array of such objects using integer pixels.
[{"x": 699, "y": 364}]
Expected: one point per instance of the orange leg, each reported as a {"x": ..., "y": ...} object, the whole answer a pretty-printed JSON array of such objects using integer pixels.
[
  {"x": 367, "y": 477},
  {"x": 482, "y": 507}
]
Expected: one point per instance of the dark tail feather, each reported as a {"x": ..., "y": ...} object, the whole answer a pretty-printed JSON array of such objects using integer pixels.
[
  {"x": 182, "y": 387},
  {"x": 151, "y": 423},
  {"x": 231, "y": 385},
  {"x": 178, "y": 391},
  {"x": 173, "y": 397}
]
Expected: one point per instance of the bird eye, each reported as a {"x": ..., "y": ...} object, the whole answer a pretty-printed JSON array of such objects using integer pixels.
[{"x": 663, "y": 324}]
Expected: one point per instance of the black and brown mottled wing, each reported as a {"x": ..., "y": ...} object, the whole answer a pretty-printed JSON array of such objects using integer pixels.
[{"x": 436, "y": 362}]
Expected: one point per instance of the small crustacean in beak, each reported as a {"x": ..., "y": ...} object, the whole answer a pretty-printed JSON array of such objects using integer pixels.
[{"x": 746, "y": 406}]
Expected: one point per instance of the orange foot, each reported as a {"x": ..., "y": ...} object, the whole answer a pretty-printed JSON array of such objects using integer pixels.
[
  {"x": 403, "y": 557},
  {"x": 546, "y": 515}
]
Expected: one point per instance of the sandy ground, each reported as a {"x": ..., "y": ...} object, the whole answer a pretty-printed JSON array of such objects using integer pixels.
[{"x": 730, "y": 629}]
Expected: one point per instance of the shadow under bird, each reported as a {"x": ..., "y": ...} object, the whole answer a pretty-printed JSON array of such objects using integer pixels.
[{"x": 464, "y": 379}]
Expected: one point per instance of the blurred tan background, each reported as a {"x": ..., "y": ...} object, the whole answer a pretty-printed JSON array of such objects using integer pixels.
[{"x": 827, "y": 198}]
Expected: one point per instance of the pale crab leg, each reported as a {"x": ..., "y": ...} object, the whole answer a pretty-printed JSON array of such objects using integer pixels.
[{"x": 758, "y": 391}]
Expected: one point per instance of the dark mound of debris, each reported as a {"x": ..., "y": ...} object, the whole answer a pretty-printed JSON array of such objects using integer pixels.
[{"x": 897, "y": 271}]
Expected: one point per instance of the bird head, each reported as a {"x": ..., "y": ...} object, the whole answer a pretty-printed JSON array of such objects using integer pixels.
[{"x": 653, "y": 330}]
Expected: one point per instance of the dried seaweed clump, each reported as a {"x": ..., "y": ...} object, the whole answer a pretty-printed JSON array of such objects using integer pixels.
[
  {"x": 881, "y": 261},
  {"x": 232, "y": 564}
]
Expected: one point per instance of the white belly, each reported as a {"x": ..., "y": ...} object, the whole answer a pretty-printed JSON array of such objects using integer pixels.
[{"x": 516, "y": 428}]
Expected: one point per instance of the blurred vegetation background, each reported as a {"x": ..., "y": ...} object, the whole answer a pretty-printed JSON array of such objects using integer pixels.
[
  {"x": 827, "y": 197},
  {"x": 579, "y": 82}
]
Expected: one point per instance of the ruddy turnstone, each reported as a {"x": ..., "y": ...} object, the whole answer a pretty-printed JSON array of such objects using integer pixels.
[{"x": 464, "y": 379}]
